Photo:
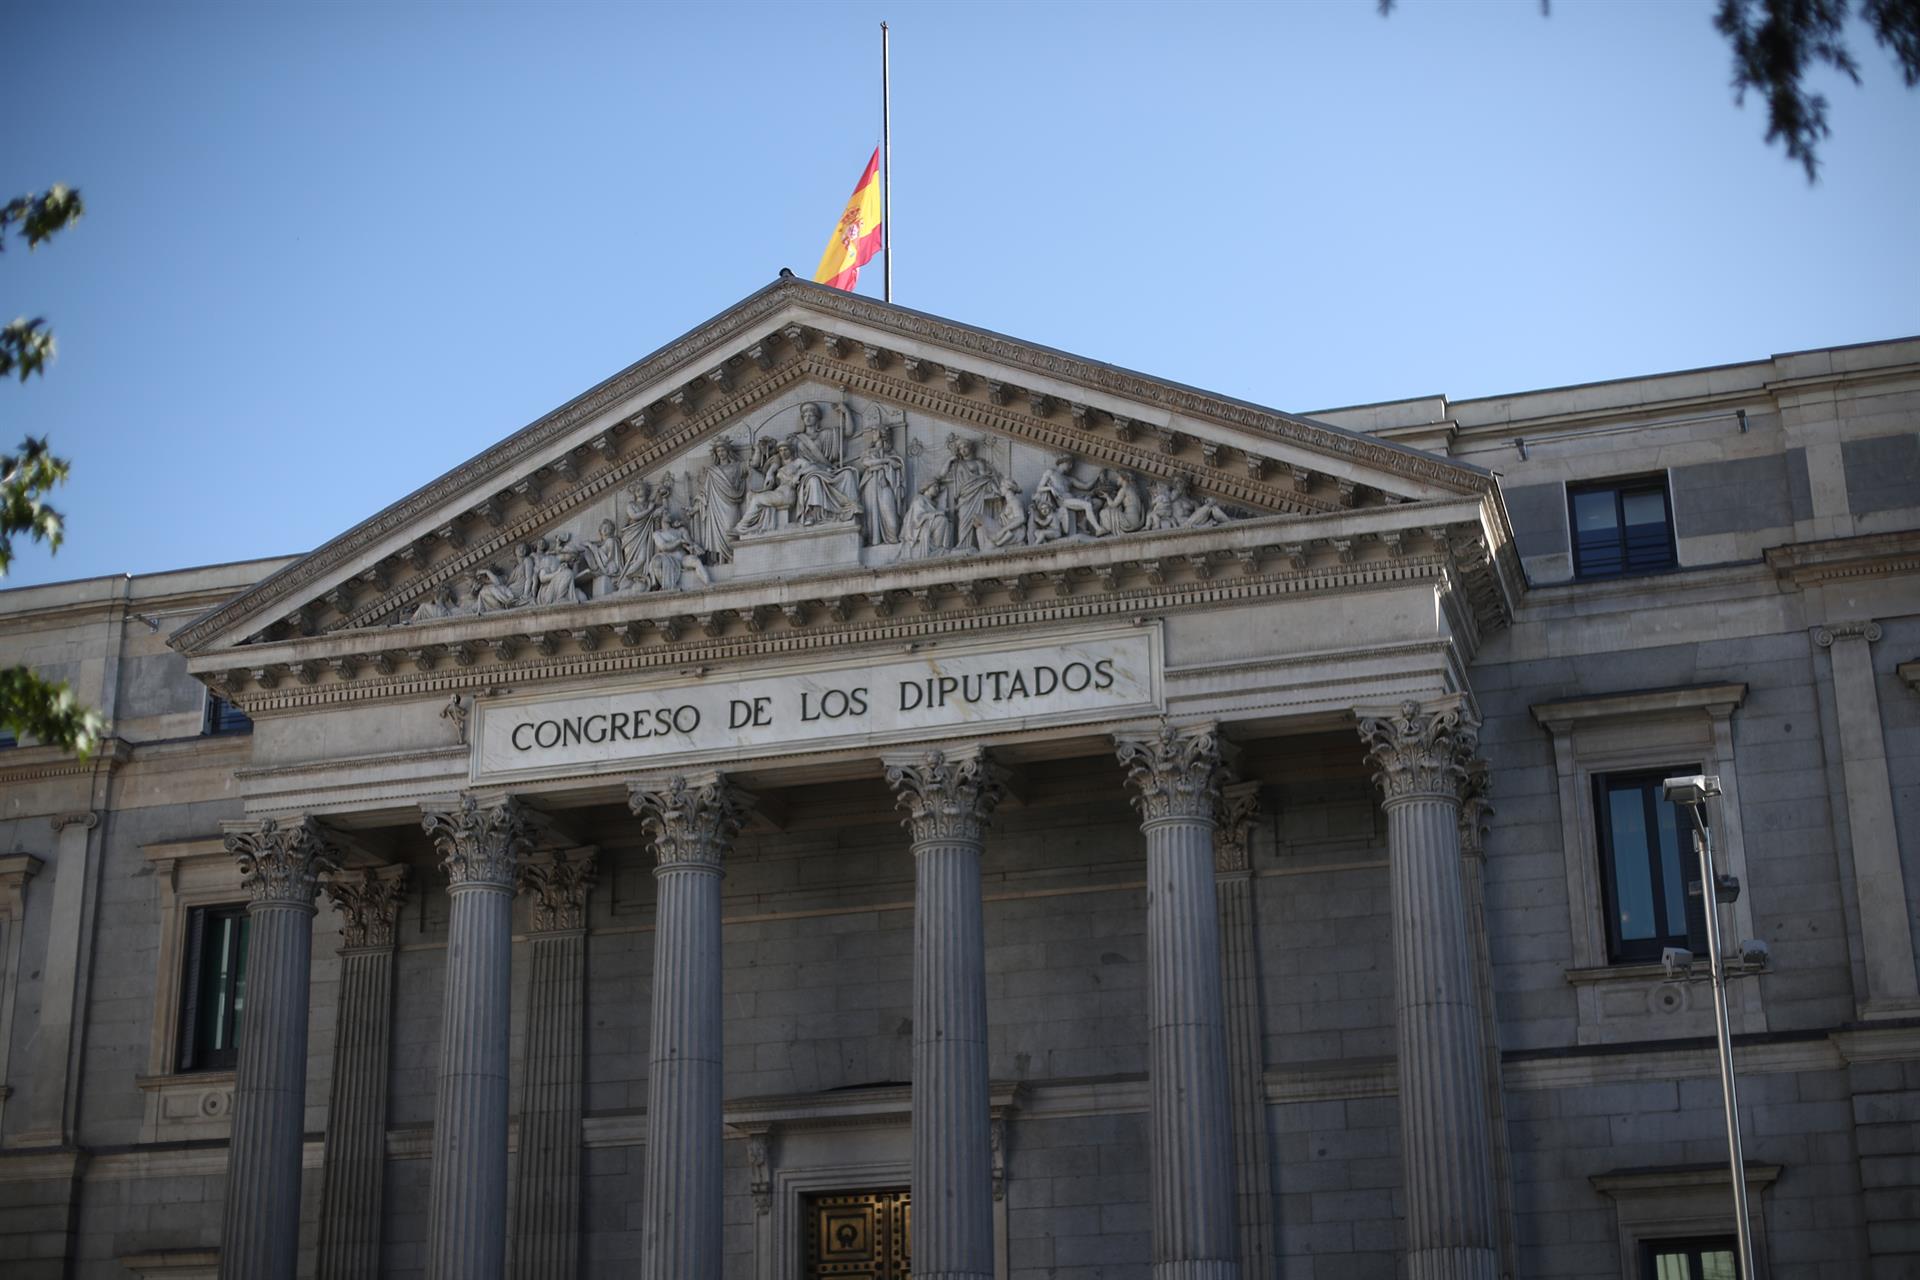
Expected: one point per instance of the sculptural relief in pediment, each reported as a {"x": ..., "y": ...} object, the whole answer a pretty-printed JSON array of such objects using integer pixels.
[{"x": 813, "y": 483}]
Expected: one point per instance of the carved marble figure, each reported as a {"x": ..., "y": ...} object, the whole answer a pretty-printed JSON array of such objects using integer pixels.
[
  {"x": 972, "y": 488},
  {"x": 442, "y": 605},
  {"x": 1013, "y": 531},
  {"x": 1121, "y": 507},
  {"x": 718, "y": 501},
  {"x": 769, "y": 507},
  {"x": 1190, "y": 512},
  {"x": 606, "y": 560},
  {"x": 676, "y": 553},
  {"x": 1060, "y": 482},
  {"x": 883, "y": 479},
  {"x": 646, "y": 503},
  {"x": 927, "y": 529},
  {"x": 1047, "y": 521}
]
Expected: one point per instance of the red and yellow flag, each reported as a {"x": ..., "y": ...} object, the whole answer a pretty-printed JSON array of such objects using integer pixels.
[{"x": 859, "y": 235}]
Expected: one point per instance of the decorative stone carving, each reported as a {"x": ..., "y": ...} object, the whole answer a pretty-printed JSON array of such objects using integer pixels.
[
  {"x": 282, "y": 863},
  {"x": 1867, "y": 630},
  {"x": 812, "y": 477},
  {"x": 456, "y": 713},
  {"x": 1475, "y": 807},
  {"x": 691, "y": 818},
  {"x": 1239, "y": 806},
  {"x": 479, "y": 842},
  {"x": 1420, "y": 749},
  {"x": 1176, "y": 773},
  {"x": 369, "y": 904},
  {"x": 557, "y": 884},
  {"x": 759, "y": 1171},
  {"x": 947, "y": 795}
]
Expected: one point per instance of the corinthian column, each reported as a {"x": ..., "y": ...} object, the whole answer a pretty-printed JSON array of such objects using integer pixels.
[
  {"x": 1420, "y": 755},
  {"x": 1246, "y": 1049},
  {"x": 546, "y": 1180},
  {"x": 692, "y": 819},
  {"x": 260, "y": 1236},
  {"x": 948, "y": 799},
  {"x": 1177, "y": 774},
  {"x": 354, "y": 1169},
  {"x": 467, "y": 1203}
]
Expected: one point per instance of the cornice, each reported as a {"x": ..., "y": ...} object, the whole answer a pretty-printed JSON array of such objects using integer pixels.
[
  {"x": 775, "y": 350},
  {"x": 1874, "y": 555},
  {"x": 32, "y": 764},
  {"x": 1717, "y": 700}
]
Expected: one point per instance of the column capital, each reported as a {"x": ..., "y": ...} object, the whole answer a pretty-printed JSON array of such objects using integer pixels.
[
  {"x": 368, "y": 900},
  {"x": 1852, "y": 629},
  {"x": 691, "y": 817},
  {"x": 280, "y": 863},
  {"x": 1476, "y": 786},
  {"x": 479, "y": 841},
  {"x": 1232, "y": 846},
  {"x": 557, "y": 881},
  {"x": 948, "y": 795},
  {"x": 1176, "y": 772},
  {"x": 1419, "y": 749}
]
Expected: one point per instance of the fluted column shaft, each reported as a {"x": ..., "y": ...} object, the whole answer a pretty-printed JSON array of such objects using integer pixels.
[
  {"x": 692, "y": 820},
  {"x": 948, "y": 798},
  {"x": 1177, "y": 776},
  {"x": 467, "y": 1199},
  {"x": 260, "y": 1234},
  {"x": 1420, "y": 754},
  {"x": 546, "y": 1199},
  {"x": 353, "y": 1172}
]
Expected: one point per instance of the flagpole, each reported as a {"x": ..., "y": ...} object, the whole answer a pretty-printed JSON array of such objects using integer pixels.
[{"x": 886, "y": 170}]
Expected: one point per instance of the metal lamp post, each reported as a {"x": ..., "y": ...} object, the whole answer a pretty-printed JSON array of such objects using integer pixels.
[{"x": 1691, "y": 794}]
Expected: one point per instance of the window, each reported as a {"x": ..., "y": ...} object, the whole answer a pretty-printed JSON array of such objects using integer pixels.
[
  {"x": 213, "y": 988},
  {"x": 1620, "y": 527},
  {"x": 1714, "y": 1258},
  {"x": 224, "y": 717},
  {"x": 8, "y": 739},
  {"x": 1646, "y": 863}
]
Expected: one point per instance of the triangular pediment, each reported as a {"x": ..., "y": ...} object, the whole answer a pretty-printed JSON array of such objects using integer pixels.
[{"x": 811, "y": 431}]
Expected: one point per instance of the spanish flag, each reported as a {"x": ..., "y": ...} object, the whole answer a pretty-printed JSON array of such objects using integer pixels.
[{"x": 859, "y": 235}]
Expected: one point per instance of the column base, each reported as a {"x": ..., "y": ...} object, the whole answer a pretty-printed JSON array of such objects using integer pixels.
[
  {"x": 1197, "y": 1269},
  {"x": 1453, "y": 1264}
]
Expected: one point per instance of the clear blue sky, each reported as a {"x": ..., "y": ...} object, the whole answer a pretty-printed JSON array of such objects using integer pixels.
[{"x": 333, "y": 250}]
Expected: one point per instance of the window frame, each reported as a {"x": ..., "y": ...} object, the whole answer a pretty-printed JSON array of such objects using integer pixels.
[
  {"x": 1692, "y": 1247},
  {"x": 1637, "y": 950},
  {"x": 192, "y": 1105},
  {"x": 1621, "y": 487}
]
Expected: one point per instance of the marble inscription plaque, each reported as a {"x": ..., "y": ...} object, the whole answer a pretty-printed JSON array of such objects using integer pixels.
[{"x": 948, "y": 691}]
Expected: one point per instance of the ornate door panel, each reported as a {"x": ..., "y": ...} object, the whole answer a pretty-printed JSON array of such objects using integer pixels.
[{"x": 864, "y": 1235}]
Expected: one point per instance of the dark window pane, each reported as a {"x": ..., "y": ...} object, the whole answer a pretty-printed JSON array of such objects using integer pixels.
[
  {"x": 224, "y": 717},
  {"x": 1632, "y": 867},
  {"x": 216, "y": 974},
  {"x": 1718, "y": 1264},
  {"x": 1675, "y": 870},
  {"x": 1594, "y": 513}
]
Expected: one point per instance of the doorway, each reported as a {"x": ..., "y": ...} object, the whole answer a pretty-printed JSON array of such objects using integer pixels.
[{"x": 858, "y": 1235}]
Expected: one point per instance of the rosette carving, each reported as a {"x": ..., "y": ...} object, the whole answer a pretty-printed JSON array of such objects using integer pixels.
[
  {"x": 691, "y": 819},
  {"x": 1176, "y": 773},
  {"x": 369, "y": 904},
  {"x": 480, "y": 841},
  {"x": 557, "y": 883},
  {"x": 282, "y": 862},
  {"x": 947, "y": 795},
  {"x": 1420, "y": 749}
]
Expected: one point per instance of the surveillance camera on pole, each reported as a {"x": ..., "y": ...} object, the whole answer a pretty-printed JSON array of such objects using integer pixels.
[{"x": 1691, "y": 794}]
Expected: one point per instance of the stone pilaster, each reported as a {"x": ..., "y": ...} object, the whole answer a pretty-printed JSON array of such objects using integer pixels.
[
  {"x": 1246, "y": 1048},
  {"x": 546, "y": 1187},
  {"x": 948, "y": 798},
  {"x": 1177, "y": 775},
  {"x": 692, "y": 820},
  {"x": 353, "y": 1172},
  {"x": 1475, "y": 809},
  {"x": 479, "y": 843},
  {"x": 1420, "y": 754},
  {"x": 279, "y": 865},
  {"x": 1879, "y": 882}
]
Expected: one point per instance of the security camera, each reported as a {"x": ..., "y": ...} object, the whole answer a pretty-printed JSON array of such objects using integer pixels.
[
  {"x": 1677, "y": 961},
  {"x": 1755, "y": 954},
  {"x": 1693, "y": 789}
]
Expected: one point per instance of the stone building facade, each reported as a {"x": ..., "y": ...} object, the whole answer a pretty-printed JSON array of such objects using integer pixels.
[{"x": 855, "y": 792}]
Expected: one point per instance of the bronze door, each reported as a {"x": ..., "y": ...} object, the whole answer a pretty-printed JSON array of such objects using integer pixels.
[{"x": 865, "y": 1235}]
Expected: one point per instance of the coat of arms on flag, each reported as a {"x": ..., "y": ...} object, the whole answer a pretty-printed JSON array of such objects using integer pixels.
[{"x": 859, "y": 234}]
